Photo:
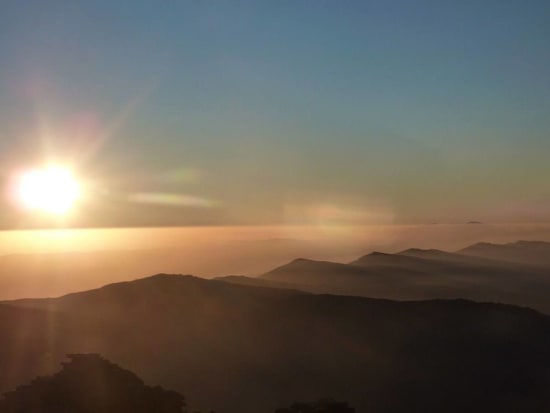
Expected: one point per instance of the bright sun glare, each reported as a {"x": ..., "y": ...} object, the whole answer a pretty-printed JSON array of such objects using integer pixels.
[{"x": 53, "y": 190}]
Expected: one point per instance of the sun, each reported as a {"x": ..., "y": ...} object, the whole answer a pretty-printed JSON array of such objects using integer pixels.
[{"x": 52, "y": 190}]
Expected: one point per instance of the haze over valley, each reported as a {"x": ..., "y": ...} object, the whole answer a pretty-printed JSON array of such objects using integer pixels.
[
  {"x": 301, "y": 331},
  {"x": 56, "y": 262}
]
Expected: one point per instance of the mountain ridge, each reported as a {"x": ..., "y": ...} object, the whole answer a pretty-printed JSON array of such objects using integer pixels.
[
  {"x": 417, "y": 274},
  {"x": 245, "y": 349}
]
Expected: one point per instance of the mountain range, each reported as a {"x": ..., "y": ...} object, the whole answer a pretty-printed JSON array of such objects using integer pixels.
[
  {"x": 314, "y": 329},
  {"x": 236, "y": 348},
  {"x": 517, "y": 273}
]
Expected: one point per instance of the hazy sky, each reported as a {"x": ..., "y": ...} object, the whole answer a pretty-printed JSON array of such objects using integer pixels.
[{"x": 211, "y": 112}]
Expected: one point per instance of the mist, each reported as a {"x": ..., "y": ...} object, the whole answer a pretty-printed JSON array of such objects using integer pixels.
[{"x": 55, "y": 262}]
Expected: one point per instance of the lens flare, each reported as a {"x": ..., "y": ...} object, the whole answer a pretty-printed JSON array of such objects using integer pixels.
[{"x": 52, "y": 190}]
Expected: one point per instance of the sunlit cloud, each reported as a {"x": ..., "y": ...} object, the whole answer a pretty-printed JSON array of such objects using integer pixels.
[{"x": 171, "y": 199}]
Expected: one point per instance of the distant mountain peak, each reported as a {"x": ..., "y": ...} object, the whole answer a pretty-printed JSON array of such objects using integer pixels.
[
  {"x": 378, "y": 254},
  {"x": 519, "y": 243},
  {"x": 301, "y": 261},
  {"x": 507, "y": 245},
  {"x": 523, "y": 251},
  {"x": 160, "y": 278},
  {"x": 306, "y": 262},
  {"x": 420, "y": 251},
  {"x": 377, "y": 257},
  {"x": 483, "y": 244}
]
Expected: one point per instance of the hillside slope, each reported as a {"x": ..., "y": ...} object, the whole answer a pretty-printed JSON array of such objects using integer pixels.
[{"x": 235, "y": 348}]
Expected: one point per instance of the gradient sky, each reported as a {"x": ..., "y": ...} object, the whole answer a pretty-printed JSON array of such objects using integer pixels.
[{"x": 206, "y": 112}]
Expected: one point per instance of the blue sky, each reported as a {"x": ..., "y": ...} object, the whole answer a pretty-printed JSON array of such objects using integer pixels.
[{"x": 276, "y": 112}]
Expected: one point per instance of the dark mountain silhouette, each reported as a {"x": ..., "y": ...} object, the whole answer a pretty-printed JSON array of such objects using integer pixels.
[
  {"x": 417, "y": 274},
  {"x": 425, "y": 253},
  {"x": 380, "y": 258},
  {"x": 259, "y": 282},
  {"x": 303, "y": 272},
  {"x": 419, "y": 258},
  {"x": 89, "y": 383},
  {"x": 242, "y": 349},
  {"x": 434, "y": 254},
  {"x": 320, "y": 406},
  {"x": 342, "y": 279},
  {"x": 525, "y": 252}
]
